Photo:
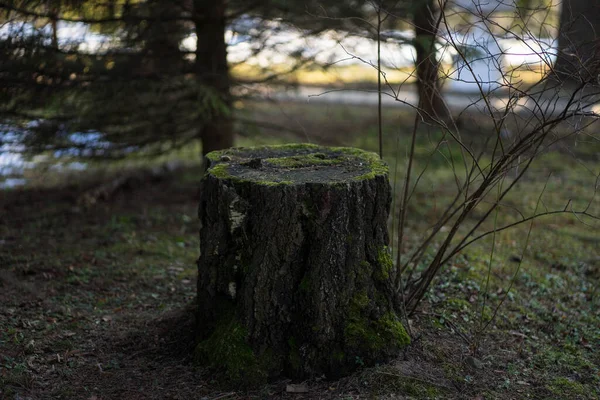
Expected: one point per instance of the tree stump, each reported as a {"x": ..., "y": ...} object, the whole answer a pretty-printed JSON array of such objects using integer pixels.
[{"x": 295, "y": 276}]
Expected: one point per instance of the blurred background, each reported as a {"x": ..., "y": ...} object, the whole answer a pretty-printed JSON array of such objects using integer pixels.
[{"x": 84, "y": 81}]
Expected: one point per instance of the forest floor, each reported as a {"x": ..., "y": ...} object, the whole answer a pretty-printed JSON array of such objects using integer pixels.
[{"x": 97, "y": 300}]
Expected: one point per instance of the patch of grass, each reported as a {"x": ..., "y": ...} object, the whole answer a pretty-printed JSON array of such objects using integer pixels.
[
  {"x": 564, "y": 388},
  {"x": 331, "y": 76}
]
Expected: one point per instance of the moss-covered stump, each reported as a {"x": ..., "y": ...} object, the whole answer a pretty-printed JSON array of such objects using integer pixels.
[{"x": 294, "y": 275}]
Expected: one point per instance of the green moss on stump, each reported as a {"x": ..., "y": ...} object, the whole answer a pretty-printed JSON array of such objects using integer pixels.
[
  {"x": 219, "y": 155},
  {"x": 385, "y": 264},
  {"x": 227, "y": 349},
  {"x": 305, "y": 284},
  {"x": 294, "y": 358},
  {"x": 359, "y": 302},
  {"x": 306, "y": 160},
  {"x": 367, "y": 335},
  {"x": 389, "y": 326},
  {"x": 339, "y": 355},
  {"x": 221, "y": 171},
  {"x": 293, "y": 156}
]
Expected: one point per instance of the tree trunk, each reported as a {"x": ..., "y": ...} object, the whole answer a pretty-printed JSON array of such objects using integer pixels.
[
  {"x": 294, "y": 275},
  {"x": 213, "y": 72},
  {"x": 578, "y": 59},
  {"x": 431, "y": 102}
]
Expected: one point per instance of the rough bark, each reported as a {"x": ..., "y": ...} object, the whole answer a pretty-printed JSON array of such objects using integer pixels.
[
  {"x": 213, "y": 72},
  {"x": 578, "y": 59},
  {"x": 431, "y": 102},
  {"x": 294, "y": 275}
]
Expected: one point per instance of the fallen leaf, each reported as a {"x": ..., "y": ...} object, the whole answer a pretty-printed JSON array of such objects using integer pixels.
[
  {"x": 296, "y": 388},
  {"x": 474, "y": 362},
  {"x": 517, "y": 333}
]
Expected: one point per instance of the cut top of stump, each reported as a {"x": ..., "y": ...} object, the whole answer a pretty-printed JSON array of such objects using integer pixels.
[{"x": 294, "y": 164}]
